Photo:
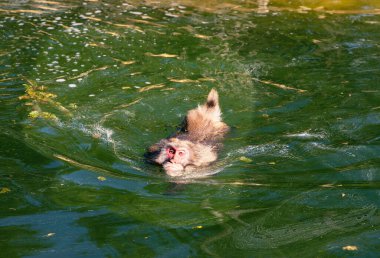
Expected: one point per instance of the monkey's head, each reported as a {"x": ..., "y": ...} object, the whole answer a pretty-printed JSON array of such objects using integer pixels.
[{"x": 180, "y": 156}]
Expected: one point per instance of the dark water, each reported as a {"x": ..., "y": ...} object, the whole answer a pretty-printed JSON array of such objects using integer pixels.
[{"x": 85, "y": 87}]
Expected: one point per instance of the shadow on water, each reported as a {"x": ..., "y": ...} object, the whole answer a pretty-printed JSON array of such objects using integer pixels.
[{"x": 86, "y": 86}]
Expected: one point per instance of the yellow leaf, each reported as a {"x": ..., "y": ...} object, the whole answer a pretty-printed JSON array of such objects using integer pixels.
[
  {"x": 350, "y": 248},
  {"x": 200, "y": 36},
  {"x": 182, "y": 80},
  {"x": 101, "y": 178},
  {"x": 34, "y": 114},
  {"x": 245, "y": 159},
  {"x": 154, "y": 86},
  {"x": 128, "y": 62},
  {"x": 49, "y": 235},
  {"x": 165, "y": 55},
  {"x": 4, "y": 190}
]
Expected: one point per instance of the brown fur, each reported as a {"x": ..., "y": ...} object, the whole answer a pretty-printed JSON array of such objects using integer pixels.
[{"x": 200, "y": 135}]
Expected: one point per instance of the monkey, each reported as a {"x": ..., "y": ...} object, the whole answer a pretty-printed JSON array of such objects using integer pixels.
[{"x": 196, "y": 144}]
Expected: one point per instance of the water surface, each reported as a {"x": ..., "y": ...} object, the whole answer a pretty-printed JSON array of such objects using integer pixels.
[{"x": 86, "y": 86}]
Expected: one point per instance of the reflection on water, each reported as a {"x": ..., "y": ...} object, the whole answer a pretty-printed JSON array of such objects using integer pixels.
[{"x": 86, "y": 86}]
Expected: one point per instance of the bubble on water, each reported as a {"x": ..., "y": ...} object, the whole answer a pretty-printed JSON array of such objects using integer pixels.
[
  {"x": 307, "y": 135},
  {"x": 60, "y": 80},
  {"x": 72, "y": 85},
  {"x": 91, "y": 95}
]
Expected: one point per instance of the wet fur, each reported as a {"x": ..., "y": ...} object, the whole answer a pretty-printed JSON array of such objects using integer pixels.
[{"x": 201, "y": 133}]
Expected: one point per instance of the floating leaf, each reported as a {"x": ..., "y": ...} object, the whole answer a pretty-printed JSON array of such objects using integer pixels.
[
  {"x": 101, "y": 178},
  {"x": 39, "y": 94},
  {"x": 44, "y": 115},
  {"x": 200, "y": 36},
  {"x": 125, "y": 62},
  {"x": 73, "y": 106},
  {"x": 245, "y": 159},
  {"x": 279, "y": 85},
  {"x": 49, "y": 235},
  {"x": 34, "y": 114},
  {"x": 128, "y": 62},
  {"x": 182, "y": 80},
  {"x": 154, "y": 86},
  {"x": 128, "y": 26},
  {"x": 130, "y": 104},
  {"x": 4, "y": 190},
  {"x": 145, "y": 22},
  {"x": 350, "y": 248},
  {"x": 84, "y": 74},
  {"x": 207, "y": 79},
  {"x": 161, "y": 55},
  {"x": 112, "y": 33}
]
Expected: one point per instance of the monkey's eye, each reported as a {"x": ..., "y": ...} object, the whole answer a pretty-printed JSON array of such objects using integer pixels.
[
  {"x": 171, "y": 151},
  {"x": 181, "y": 153}
]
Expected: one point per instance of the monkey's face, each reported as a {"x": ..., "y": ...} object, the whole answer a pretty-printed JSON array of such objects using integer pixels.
[{"x": 178, "y": 156}]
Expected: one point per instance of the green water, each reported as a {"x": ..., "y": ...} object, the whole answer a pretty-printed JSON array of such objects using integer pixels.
[{"x": 85, "y": 87}]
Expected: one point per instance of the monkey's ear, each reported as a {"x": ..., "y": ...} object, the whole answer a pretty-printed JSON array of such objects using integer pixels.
[
  {"x": 153, "y": 152},
  {"x": 154, "y": 148}
]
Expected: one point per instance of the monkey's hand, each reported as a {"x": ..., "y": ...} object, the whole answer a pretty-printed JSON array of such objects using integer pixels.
[{"x": 173, "y": 169}]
